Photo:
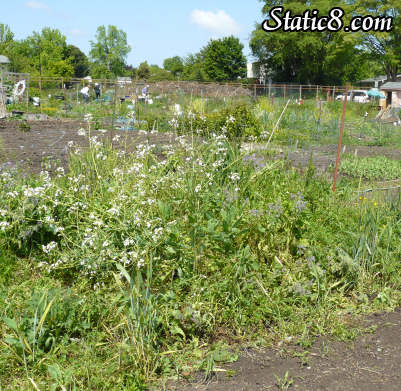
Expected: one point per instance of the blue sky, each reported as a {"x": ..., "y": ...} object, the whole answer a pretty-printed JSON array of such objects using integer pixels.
[{"x": 156, "y": 29}]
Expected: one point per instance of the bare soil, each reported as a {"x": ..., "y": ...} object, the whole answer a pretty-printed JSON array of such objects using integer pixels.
[
  {"x": 370, "y": 363},
  {"x": 47, "y": 141}
]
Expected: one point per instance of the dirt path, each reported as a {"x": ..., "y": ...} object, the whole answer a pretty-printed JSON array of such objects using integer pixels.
[{"x": 370, "y": 363}]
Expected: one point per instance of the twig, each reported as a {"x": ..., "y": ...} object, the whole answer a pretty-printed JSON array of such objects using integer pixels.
[{"x": 278, "y": 122}]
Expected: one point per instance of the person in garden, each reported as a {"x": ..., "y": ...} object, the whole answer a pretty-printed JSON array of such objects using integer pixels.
[
  {"x": 145, "y": 91},
  {"x": 97, "y": 91},
  {"x": 85, "y": 93}
]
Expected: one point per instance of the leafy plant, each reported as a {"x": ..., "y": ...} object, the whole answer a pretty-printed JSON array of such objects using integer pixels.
[
  {"x": 371, "y": 168},
  {"x": 285, "y": 382}
]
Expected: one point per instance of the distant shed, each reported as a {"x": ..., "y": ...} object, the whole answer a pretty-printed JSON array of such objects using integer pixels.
[{"x": 393, "y": 91}]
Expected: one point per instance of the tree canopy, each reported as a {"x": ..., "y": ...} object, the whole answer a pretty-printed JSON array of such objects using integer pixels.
[
  {"x": 385, "y": 47},
  {"x": 78, "y": 60},
  {"x": 174, "y": 64},
  {"x": 110, "y": 48},
  {"x": 223, "y": 59},
  {"x": 328, "y": 57},
  {"x": 48, "y": 49}
]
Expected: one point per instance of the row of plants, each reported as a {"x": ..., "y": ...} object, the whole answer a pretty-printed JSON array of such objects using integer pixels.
[
  {"x": 371, "y": 168},
  {"x": 308, "y": 124}
]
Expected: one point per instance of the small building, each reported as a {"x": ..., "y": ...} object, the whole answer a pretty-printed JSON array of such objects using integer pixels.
[
  {"x": 377, "y": 81},
  {"x": 259, "y": 73},
  {"x": 393, "y": 92},
  {"x": 4, "y": 63}
]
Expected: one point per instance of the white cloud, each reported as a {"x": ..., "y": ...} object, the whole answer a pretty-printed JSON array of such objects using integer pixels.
[
  {"x": 218, "y": 22},
  {"x": 37, "y": 5}
]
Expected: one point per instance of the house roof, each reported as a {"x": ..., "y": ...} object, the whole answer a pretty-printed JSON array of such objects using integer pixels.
[
  {"x": 4, "y": 60},
  {"x": 377, "y": 78},
  {"x": 391, "y": 85}
]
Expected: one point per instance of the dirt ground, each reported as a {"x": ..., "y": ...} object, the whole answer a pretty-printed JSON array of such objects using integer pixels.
[
  {"x": 370, "y": 363},
  {"x": 47, "y": 140}
]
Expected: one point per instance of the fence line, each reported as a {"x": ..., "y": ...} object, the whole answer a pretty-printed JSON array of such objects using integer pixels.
[{"x": 64, "y": 83}]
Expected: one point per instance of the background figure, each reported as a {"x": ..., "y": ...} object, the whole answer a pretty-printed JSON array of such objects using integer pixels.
[
  {"x": 97, "y": 91},
  {"x": 85, "y": 94},
  {"x": 145, "y": 91}
]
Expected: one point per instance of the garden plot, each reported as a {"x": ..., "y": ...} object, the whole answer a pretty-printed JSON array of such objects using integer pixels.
[
  {"x": 48, "y": 141},
  {"x": 323, "y": 157},
  {"x": 51, "y": 141}
]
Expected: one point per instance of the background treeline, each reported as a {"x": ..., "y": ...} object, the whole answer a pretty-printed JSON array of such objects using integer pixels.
[
  {"x": 301, "y": 57},
  {"x": 48, "y": 53}
]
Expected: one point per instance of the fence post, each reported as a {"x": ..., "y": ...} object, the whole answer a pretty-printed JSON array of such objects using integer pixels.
[
  {"x": 270, "y": 86},
  {"x": 300, "y": 92},
  {"x": 334, "y": 93},
  {"x": 27, "y": 93},
  {"x": 285, "y": 90},
  {"x": 114, "y": 109},
  {"x": 340, "y": 137}
]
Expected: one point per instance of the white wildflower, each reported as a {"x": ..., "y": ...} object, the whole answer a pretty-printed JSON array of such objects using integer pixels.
[
  {"x": 4, "y": 225},
  {"x": 49, "y": 247}
]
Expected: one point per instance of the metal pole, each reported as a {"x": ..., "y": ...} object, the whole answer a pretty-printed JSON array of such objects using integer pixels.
[
  {"x": 340, "y": 138},
  {"x": 114, "y": 108}
]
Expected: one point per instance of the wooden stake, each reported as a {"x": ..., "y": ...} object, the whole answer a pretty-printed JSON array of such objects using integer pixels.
[{"x": 340, "y": 137}]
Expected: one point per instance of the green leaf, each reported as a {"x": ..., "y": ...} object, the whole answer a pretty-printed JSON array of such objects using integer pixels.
[{"x": 11, "y": 323}]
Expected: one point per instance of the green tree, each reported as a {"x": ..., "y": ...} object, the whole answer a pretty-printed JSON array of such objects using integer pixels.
[
  {"x": 100, "y": 71},
  {"x": 309, "y": 57},
  {"x": 110, "y": 48},
  {"x": 174, "y": 64},
  {"x": 193, "y": 68},
  {"x": 143, "y": 71},
  {"x": 157, "y": 73},
  {"x": 78, "y": 60},
  {"x": 47, "y": 50},
  {"x": 223, "y": 59},
  {"x": 384, "y": 46},
  {"x": 6, "y": 37}
]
